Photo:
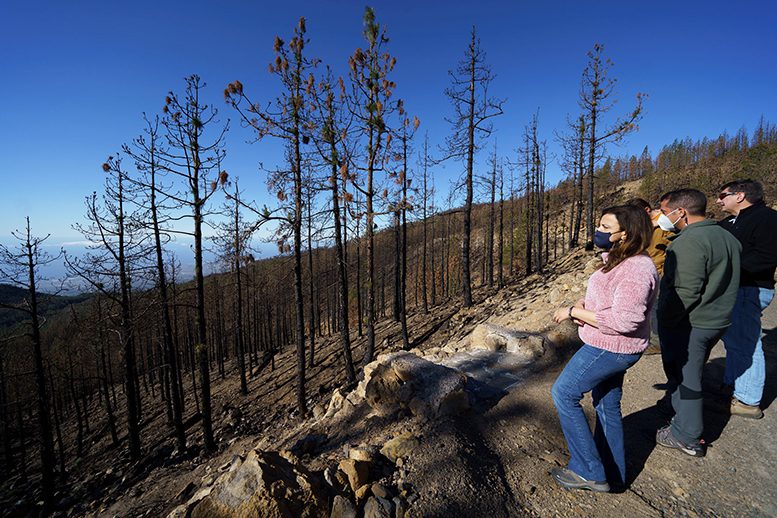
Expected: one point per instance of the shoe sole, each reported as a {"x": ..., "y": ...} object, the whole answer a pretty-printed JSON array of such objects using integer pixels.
[
  {"x": 748, "y": 416},
  {"x": 687, "y": 451},
  {"x": 586, "y": 486},
  {"x": 583, "y": 488}
]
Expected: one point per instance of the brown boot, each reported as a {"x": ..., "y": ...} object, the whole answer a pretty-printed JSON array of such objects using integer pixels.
[{"x": 749, "y": 411}]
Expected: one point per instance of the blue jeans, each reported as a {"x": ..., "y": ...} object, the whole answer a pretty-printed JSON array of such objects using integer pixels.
[
  {"x": 600, "y": 456},
  {"x": 745, "y": 364}
]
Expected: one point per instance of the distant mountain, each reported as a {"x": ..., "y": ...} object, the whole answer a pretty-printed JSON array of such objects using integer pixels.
[{"x": 12, "y": 295}]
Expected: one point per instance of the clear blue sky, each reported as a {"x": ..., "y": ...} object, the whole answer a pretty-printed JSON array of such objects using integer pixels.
[{"x": 76, "y": 76}]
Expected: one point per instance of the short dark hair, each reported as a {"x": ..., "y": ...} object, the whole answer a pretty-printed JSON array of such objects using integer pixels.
[
  {"x": 640, "y": 203},
  {"x": 692, "y": 200},
  {"x": 753, "y": 191}
]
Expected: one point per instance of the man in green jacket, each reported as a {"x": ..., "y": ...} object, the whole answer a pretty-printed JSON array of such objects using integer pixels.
[{"x": 697, "y": 295}]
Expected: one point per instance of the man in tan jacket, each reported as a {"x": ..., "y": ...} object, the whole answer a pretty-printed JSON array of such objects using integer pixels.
[{"x": 659, "y": 242}]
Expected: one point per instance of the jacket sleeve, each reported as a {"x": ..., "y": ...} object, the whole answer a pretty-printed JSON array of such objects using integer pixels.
[{"x": 630, "y": 303}]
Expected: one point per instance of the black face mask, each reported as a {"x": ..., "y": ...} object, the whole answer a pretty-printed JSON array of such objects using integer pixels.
[{"x": 602, "y": 240}]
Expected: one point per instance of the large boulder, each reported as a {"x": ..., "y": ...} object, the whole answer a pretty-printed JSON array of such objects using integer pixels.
[
  {"x": 269, "y": 484},
  {"x": 528, "y": 346},
  {"x": 404, "y": 380},
  {"x": 398, "y": 381}
]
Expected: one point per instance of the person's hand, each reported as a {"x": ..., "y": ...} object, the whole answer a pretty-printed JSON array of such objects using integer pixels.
[
  {"x": 580, "y": 304},
  {"x": 560, "y": 315}
]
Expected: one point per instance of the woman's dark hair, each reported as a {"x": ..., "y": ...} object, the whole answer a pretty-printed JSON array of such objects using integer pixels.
[
  {"x": 639, "y": 230},
  {"x": 639, "y": 203}
]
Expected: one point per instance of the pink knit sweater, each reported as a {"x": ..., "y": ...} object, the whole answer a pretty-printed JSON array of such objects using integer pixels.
[{"x": 622, "y": 300}]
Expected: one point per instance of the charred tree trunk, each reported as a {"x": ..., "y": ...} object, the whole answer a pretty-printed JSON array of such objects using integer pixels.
[
  {"x": 403, "y": 277},
  {"x": 311, "y": 288},
  {"x": 44, "y": 425}
]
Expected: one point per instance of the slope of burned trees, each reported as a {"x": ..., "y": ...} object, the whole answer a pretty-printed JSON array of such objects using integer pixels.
[{"x": 369, "y": 251}]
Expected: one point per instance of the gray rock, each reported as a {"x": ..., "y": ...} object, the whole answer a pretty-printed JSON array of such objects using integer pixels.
[
  {"x": 400, "y": 446},
  {"x": 497, "y": 338},
  {"x": 380, "y": 491},
  {"x": 318, "y": 411},
  {"x": 264, "y": 484},
  {"x": 363, "y": 453},
  {"x": 400, "y": 507},
  {"x": 342, "y": 508},
  {"x": 378, "y": 508}
]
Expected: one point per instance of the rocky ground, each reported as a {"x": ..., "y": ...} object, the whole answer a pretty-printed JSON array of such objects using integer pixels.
[{"x": 462, "y": 425}]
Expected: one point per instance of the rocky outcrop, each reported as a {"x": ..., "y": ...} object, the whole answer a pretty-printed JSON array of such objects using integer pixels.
[
  {"x": 270, "y": 484},
  {"x": 403, "y": 381},
  {"x": 528, "y": 346}
]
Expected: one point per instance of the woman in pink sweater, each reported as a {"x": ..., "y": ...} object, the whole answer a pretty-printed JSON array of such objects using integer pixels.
[{"x": 614, "y": 320}]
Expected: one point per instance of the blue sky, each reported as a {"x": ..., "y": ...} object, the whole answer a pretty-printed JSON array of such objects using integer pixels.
[{"x": 76, "y": 76}]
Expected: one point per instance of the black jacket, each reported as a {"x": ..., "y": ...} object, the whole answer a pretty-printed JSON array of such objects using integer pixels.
[{"x": 756, "y": 229}]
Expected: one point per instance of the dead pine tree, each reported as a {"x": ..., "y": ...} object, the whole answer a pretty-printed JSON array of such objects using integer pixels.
[
  {"x": 580, "y": 132},
  {"x": 490, "y": 182},
  {"x": 395, "y": 208},
  {"x": 148, "y": 152},
  {"x": 538, "y": 179},
  {"x": 513, "y": 211},
  {"x": 288, "y": 119},
  {"x": 501, "y": 250},
  {"x": 21, "y": 268},
  {"x": 233, "y": 239},
  {"x": 105, "y": 381},
  {"x": 116, "y": 245},
  {"x": 404, "y": 205},
  {"x": 529, "y": 203},
  {"x": 427, "y": 195},
  {"x": 473, "y": 111},
  {"x": 331, "y": 147},
  {"x": 596, "y": 99},
  {"x": 572, "y": 143},
  {"x": 309, "y": 191},
  {"x": 194, "y": 154},
  {"x": 370, "y": 104}
]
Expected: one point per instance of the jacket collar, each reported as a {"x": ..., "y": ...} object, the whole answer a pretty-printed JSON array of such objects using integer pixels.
[
  {"x": 699, "y": 224},
  {"x": 751, "y": 209}
]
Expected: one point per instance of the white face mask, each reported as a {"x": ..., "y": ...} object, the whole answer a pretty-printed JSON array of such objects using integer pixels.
[{"x": 666, "y": 224}]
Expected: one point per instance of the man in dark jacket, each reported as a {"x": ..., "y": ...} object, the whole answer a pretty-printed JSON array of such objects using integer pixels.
[
  {"x": 698, "y": 291},
  {"x": 755, "y": 226}
]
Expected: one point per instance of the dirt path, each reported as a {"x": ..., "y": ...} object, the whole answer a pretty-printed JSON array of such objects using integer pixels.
[{"x": 736, "y": 478}]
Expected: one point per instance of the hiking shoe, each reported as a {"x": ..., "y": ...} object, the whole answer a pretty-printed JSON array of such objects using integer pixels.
[
  {"x": 743, "y": 410},
  {"x": 665, "y": 438},
  {"x": 568, "y": 479}
]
